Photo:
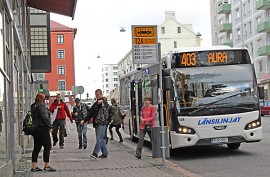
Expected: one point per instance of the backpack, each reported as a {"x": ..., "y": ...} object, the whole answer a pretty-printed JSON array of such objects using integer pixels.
[{"x": 28, "y": 124}]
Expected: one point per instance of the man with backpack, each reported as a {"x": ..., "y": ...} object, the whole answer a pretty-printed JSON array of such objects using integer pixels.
[
  {"x": 100, "y": 111},
  {"x": 80, "y": 112}
]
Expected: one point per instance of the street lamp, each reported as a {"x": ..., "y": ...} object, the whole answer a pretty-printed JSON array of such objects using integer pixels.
[{"x": 122, "y": 29}]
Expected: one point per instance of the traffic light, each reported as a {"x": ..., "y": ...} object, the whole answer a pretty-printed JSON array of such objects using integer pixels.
[{"x": 87, "y": 95}]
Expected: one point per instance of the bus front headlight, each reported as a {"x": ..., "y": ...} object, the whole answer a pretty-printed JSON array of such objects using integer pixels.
[
  {"x": 185, "y": 130},
  {"x": 253, "y": 124}
]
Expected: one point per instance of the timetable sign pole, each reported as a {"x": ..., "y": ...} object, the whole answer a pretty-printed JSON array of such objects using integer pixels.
[{"x": 144, "y": 44}]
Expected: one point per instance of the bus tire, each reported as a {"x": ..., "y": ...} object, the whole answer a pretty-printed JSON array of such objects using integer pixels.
[{"x": 233, "y": 146}]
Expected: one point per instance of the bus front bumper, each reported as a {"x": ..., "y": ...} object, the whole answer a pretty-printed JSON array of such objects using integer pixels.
[{"x": 183, "y": 140}]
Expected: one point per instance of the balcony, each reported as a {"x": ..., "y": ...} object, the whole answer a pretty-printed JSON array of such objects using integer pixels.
[
  {"x": 264, "y": 26},
  {"x": 228, "y": 43},
  {"x": 262, "y": 4},
  {"x": 224, "y": 8},
  {"x": 225, "y": 27},
  {"x": 264, "y": 50}
]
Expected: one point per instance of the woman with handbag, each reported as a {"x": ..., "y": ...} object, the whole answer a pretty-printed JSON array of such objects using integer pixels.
[{"x": 146, "y": 123}]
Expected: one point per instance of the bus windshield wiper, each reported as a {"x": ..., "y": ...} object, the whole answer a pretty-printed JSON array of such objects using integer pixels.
[{"x": 206, "y": 106}]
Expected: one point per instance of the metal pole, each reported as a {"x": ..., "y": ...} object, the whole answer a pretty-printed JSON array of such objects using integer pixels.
[
  {"x": 161, "y": 107},
  {"x": 242, "y": 27}
]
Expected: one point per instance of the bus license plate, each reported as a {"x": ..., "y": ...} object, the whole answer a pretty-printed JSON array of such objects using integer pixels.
[{"x": 219, "y": 140}]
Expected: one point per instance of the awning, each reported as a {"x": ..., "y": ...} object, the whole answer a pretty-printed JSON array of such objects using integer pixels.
[{"x": 62, "y": 7}]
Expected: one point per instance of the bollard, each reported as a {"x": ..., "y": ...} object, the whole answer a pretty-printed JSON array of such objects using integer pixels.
[{"x": 156, "y": 142}]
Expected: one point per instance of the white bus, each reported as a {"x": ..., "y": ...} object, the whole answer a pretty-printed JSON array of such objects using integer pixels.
[{"x": 210, "y": 97}]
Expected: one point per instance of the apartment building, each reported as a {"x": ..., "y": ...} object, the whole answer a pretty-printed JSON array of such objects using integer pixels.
[
  {"x": 109, "y": 79},
  {"x": 245, "y": 23},
  {"x": 62, "y": 76}
]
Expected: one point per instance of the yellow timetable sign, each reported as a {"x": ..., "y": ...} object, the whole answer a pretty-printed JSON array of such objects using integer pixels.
[
  {"x": 140, "y": 40},
  {"x": 144, "y": 31}
]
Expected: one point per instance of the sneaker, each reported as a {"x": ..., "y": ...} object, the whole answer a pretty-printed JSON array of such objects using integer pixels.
[
  {"x": 102, "y": 156},
  {"x": 111, "y": 138},
  {"x": 49, "y": 169},
  {"x": 36, "y": 169},
  {"x": 80, "y": 147},
  {"x": 85, "y": 146},
  {"x": 62, "y": 147},
  {"x": 93, "y": 157},
  {"x": 138, "y": 156},
  {"x": 121, "y": 140},
  {"x": 54, "y": 143}
]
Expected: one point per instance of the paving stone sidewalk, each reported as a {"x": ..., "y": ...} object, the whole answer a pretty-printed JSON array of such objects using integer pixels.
[{"x": 74, "y": 162}]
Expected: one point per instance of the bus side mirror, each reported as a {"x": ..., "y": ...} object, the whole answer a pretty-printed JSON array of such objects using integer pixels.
[
  {"x": 261, "y": 92},
  {"x": 167, "y": 83}
]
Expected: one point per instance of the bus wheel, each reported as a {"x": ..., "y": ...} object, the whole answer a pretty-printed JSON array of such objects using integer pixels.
[{"x": 233, "y": 146}]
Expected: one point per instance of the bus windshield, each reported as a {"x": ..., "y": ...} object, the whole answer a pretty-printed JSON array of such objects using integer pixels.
[{"x": 215, "y": 90}]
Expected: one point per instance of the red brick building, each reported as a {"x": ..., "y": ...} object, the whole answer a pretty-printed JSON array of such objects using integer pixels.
[{"x": 62, "y": 76}]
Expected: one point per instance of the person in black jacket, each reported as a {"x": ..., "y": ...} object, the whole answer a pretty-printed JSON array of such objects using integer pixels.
[
  {"x": 41, "y": 134},
  {"x": 80, "y": 112},
  {"x": 100, "y": 113}
]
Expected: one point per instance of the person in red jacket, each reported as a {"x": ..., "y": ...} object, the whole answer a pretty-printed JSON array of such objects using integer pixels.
[{"x": 60, "y": 119}]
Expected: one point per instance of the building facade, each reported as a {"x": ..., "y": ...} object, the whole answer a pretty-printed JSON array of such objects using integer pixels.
[
  {"x": 62, "y": 76},
  {"x": 245, "y": 23},
  {"x": 23, "y": 37},
  {"x": 109, "y": 78}
]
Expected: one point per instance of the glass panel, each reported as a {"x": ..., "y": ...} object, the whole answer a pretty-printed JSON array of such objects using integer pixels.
[
  {"x": 1, "y": 41},
  {"x": 3, "y": 114}
]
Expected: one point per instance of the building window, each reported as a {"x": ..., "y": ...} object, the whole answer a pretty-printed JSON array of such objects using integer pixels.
[
  {"x": 106, "y": 80},
  {"x": 115, "y": 73},
  {"x": 60, "y": 38},
  {"x": 175, "y": 44},
  {"x": 163, "y": 30},
  {"x": 244, "y": 8},
  {"x": 179, "y": 29},
  {"x": 61, "y": 70},
  {"x": 245, "y": 29},
  {"x": 251, "y": 48},
  {"x": 250, "y": 27},
  {"x": 106, "y": 68},
  {"x": 238, "y": 32},
  {"x": 115, "y": 68},
  {"x": 106, "y": 74},
  {"x": 260, "y": 66},
  {"x": 237, "y": 12},
  {"x": 60, "y": 54},
  {"x": 107, "y": 85},
  {"x": 258, "y": 20},
  {"x": 61, "y": 85},
  {"x": 115, "y": 85},
  {"x": 115, "y": 79}
]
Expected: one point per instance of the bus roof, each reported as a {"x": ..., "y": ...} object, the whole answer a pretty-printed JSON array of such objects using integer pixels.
[{"x": 194, "y": 49}]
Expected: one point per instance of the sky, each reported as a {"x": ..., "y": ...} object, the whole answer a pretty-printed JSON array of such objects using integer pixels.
[{"x": 98, "y": 26}]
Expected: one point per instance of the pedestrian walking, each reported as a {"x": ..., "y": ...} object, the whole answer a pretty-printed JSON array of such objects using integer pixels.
[
  {"x": 41, "y": 134},
  {"x": 116, "y": 120},
  {"x": 146, "y": 124},
  {"x": 80, "y": 112},
  {"x": 100, "y": 113},
  {"x": 60, "y": 120}
]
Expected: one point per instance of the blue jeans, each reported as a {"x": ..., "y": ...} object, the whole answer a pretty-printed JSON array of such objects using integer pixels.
[
  {"x": 100, "y": 143},
  {"x": 82, "y": 130}
]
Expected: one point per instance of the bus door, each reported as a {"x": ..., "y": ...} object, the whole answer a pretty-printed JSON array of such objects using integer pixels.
[{"x": 136, "y": 104}]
